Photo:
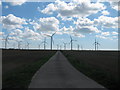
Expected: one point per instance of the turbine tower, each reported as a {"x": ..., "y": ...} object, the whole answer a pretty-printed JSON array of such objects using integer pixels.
[
  {"x": 78, "y": 46},
  {"x": 19, "y": 44},
  {"x": 39, "y": 45},
  {"x": 64, "y": 45},
  {"x": 52, "y": 41},
  {"x": 6, "y": 41},
  {"x": 60, "y": 47},
  {"x": 57, "y": 46},
  {"x": 44, "y": 42},
  {"x": 96, "y": 44},
  {"x": 71, "y": 42},
  {"x": 81, "y": 47},
  {"x": 28, "y": 44}
]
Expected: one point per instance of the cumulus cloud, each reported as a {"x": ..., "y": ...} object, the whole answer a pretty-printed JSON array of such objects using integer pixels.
[
  {"x": 27, "y": 34},
  {"x": 49, "y": 9},
  {"x": 105, "y": 33},
  {"x": 17, "y": 32},
  {"x": 12, "y": 22},
  {"x": 114, "y": 33},
  {"x": 48, "y": 24},
  {"x": 83, "y": 22},
  {"x": 82, "y": 26},
  {"x": 105, "y": 12},
  {"x": 70, "y": 31},
  {"x": 107, "y": 22},
  {"x": 0, "y": 2},
  {"x": 30, "y": 34},
  {"x": 76, "y": 8},
  {"x": 15, "y": 2},
  {"x": 115, "y": 4},
  {"x": 1, "y": 33},
  {"x": 86, "y": 29},
  {"x": 85, "y": 25},
  {"x": 100, "y": 36},
  {"x": 65, "y": 18}
]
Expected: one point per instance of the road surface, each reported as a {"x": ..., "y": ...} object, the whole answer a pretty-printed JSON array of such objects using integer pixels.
[{"x": 59, "y": 73}]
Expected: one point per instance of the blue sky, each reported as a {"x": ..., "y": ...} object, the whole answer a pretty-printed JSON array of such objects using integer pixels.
[{"x": 32, "y": 21}]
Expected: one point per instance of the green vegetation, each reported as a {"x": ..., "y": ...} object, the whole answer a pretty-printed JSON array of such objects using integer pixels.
[
  {"x": 97, "y": 73},
  {"x": 20, "y": 77}
]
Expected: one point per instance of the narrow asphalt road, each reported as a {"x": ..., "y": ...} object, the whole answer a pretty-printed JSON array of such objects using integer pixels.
[{"x": 59, "y": 73}]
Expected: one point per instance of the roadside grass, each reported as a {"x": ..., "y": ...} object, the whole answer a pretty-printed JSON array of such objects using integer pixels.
[
  {"x": 96, "y": 73},
  {"x": 20, "y": 77}
]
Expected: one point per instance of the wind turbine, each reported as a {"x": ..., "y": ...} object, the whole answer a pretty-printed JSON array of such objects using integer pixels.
[
  {"x": 78, "y": 46},
  {"x": 64, "y": 45},
  {"x": 81, "y": 47},
  {"x": 44, "y": 42},
  {"x": 28, "y": 44},
  {"x": 60, "y": 47},
  {"x": 57, "y": 46},
  {"x": 51, "y": 36},
  {"x": 96, "y": 44},
  {"x": 19, "y": 44},
  {"x": 39, "y": 45},
  {"x": 6, "y": 41},
  {"x": 71, "y": 42}
]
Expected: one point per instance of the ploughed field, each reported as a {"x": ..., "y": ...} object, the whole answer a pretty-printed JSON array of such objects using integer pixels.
[{"x": 102, "y": 66}]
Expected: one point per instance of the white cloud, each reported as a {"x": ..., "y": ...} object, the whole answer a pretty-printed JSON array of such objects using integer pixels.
[
  {"x": 70, "y": 31},
  {"x": 114, "y": 33},
  {"x": 49, "y": 9},
  {"x": 83, "y": 22},
  {"x": 17, "y": 32},
  {"x": 85, "y": 25},
  {"x": 76, "y": 8},
  {"x": 65, "y": 18},
  {"x": 1, "y": 33},
  {"x": 107, "y": 22},
  {"x": 105, "y": 12},
  {"x": 100, "y": 36},
  {"x": 105, "y": 33},
  {"x": 30, "y": 34},
  {"x": 12, "y": 22},
  {"x": 48, "y": 24},
  {"x": 115, "y": 4},
  {"x": 78, "y": 35},
  {"x": 26, "y": 34},
  {"x": 0, "y": 2},
  {"x": 86, "y": 29},
  {"x": 15, "y": 2}
]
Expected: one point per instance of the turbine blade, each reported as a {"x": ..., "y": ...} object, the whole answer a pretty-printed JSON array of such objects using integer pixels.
[
  {"x": 54, "y": 33},
  {"x": 47, "y": 35}
]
